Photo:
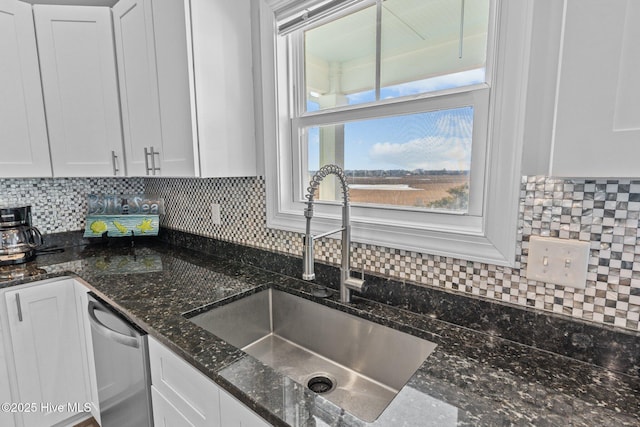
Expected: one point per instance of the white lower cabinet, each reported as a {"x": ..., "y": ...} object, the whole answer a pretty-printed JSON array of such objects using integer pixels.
[
  {"x": 47, "y": 371},
  {"x": 180, "y": 392},
  {"x": 45, "y": 349},
  {"x": 183, "y": 396},
  {"x": 234, "y": 413},
  {"x": 165, "y": 414},
  {"x": 6, "y": 418}
]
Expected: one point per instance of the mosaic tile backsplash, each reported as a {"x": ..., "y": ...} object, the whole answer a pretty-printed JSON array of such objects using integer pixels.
[
  {"x": 60, "y": 204},
  {"x": 603, "y": 212}
]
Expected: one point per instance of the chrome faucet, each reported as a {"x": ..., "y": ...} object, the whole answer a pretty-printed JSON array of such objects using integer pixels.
[{"x": 347, "y": 283}]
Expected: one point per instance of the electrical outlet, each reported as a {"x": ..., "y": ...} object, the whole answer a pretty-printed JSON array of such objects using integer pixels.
[
  {"x": 560, "y": 261},
  {"x": 215, "y": 214}
]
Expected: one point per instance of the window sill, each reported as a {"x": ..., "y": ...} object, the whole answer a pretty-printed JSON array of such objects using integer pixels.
[{"x": 468, "y": 243}]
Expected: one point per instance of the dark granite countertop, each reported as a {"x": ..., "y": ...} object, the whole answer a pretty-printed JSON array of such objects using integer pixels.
[{"x": 471, "y": 379}]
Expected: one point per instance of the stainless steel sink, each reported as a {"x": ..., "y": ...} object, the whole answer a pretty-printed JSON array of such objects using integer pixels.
[{"x": 356, "y": 364}]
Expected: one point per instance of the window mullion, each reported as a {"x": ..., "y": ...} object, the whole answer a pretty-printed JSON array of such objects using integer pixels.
[
  {"x": 324, "y": 117},
  {"x": 378, "y": 47}
]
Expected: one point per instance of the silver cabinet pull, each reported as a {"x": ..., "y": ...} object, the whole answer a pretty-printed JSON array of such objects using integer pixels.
[
  {"x": 153, "y": 161},
  {"x": 154, "y": 168},
  {"x": 114, "y": 160},
  {"x": 19, "y": 307},
  {"x": 146, "y": 160},
  {"x": 151, "y": 153}
]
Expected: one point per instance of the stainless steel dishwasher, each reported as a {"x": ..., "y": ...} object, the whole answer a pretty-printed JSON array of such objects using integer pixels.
[{"x": 122, "y": 367}]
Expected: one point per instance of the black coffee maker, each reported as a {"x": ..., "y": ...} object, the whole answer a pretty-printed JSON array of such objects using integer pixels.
[{"x": 19, "y": 240}]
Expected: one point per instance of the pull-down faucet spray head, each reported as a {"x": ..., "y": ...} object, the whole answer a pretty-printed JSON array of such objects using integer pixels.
[
  {"x": 307, "y": 268},
  {"x": 347, "y": 283}
]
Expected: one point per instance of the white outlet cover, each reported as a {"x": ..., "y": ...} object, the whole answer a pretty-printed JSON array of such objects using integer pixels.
[
  {"x": 558, "y": 261},
  {"x": 215, "y": 214}
]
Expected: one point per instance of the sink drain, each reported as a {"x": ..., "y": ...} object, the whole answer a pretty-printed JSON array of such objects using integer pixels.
[{"x": 321, "y": 383}]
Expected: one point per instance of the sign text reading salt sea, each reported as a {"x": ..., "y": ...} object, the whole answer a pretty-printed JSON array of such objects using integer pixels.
[{"x": 124, "y": 204}]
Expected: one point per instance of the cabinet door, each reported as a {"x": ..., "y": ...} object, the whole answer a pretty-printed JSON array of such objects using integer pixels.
[
  {"x": 193, "y": 395},
  {"x": 80, "y": 88},
  {"x": 151, "y": 47},
  {"x": 136, "y": 58},
  {"x": 165, "y": 414},
  {"x": 171, "y": 30},
  {"x": 234, "y": 414},
  {"x": 23, "y": 139},
  {"x": 222, "y": 61},
  {"x": 47, "y": 351},
  {"x": 6, "y": 418},
  {"x": 598, "y": 100},
  {"x": 182, "y": 396}
]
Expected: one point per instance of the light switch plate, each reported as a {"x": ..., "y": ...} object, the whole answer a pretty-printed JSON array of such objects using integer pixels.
[{"x": 559, "y": 261}]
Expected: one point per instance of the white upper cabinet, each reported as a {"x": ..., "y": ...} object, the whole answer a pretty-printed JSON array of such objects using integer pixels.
[
  {"x": 23, "y": 133},
  {"x": 154, "y": 87},
  {"x": 177, "y": 102},
  {"x": 80, "y": 86},
  {"x": 222, "y": 61},
  {"x": 586, "y": 90},
  {"x": 598, "y": 105},
  {"x": 135, "y": 52},
  {"x": 178, "y": 156},
  {"x": 186, "y": 85}
]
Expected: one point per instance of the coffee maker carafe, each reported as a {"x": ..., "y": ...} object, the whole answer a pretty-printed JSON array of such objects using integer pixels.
[{"x": 18, "y": 238}]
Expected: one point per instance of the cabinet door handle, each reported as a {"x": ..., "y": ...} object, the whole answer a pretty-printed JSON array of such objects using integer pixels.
[
  {"x": 153, "y": 161},
  {"x": 114, "y": 159},
  {"x": 19, "y": 307},
  {"x": 154, "y": 168},
  {"x": 151, "y": 153},
  {"x": 146, "y": 160}
]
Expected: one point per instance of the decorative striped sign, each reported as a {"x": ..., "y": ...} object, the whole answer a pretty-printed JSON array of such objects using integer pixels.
[{"x": 122, "y": 225}]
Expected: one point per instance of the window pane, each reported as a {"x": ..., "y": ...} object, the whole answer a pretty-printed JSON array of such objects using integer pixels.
[
  {"x": 340, "y": 59},
  {"x": 422, "y": 49},
  {"x": 426, "y": 45},
  {"x": 418, "y": 160}
]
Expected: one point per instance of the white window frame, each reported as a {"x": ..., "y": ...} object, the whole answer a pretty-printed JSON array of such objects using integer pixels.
[{"x": 489, "y": 233}]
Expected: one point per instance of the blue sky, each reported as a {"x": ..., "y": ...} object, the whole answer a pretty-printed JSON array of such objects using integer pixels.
[{"x": 434, "y": 140}]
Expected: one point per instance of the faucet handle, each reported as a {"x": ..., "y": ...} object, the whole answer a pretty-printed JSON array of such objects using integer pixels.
[
  {"x": 354, "y": 284},
  {"x": 308, "y": 211}
]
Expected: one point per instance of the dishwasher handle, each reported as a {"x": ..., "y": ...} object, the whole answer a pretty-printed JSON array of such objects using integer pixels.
[{"x": 129, "y": 341}]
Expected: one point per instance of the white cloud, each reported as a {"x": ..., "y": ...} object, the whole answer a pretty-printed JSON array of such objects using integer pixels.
[
  {"x": 455, "y": 125},
  {"x": 448, "y": 147},
  {"x": 431, "y": 153}
]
